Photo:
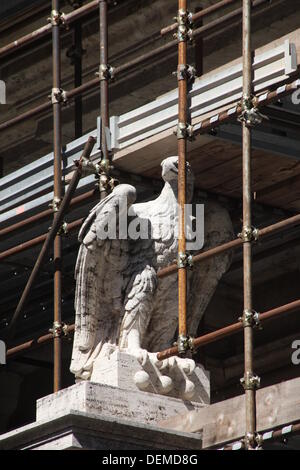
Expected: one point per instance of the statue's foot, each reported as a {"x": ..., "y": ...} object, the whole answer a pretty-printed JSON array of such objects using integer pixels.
[
  {"x": 187, "y": 366},
  {"x": 140, "y": 354},
  {"x": 167, "y": 374}
]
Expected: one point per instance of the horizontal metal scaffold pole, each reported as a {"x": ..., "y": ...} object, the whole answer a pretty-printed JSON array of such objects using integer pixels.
[
  {"x": 45, "y": 30},
  {"x": 69, "y": 95},
  {"x": 230, "y": 330},
  {"x": 35, "y": 241},
  {"x": 200, "y": 14},
  {"x": 264, "y": 232},
  {"x": 283, "y": 434},
  {"x": 198, "y": 342},
  {"x": 43, "y": 215}
]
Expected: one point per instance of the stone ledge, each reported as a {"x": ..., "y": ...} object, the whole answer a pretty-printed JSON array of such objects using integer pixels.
[
  {"x": 79, "y": 430},
  {"x": 107, "y": 401}
]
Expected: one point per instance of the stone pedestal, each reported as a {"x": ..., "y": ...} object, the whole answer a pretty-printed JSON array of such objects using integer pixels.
[
  {"x": 174, "y": 377},
  {"x": 106, "y": 401},
  {"x": 84, "y": 431},
  {"x": 101, "y": 417},
  {"x": 121, "y": 411}
]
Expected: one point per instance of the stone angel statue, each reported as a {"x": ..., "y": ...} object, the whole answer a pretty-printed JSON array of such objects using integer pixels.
[{"x": 119, "y": 302}]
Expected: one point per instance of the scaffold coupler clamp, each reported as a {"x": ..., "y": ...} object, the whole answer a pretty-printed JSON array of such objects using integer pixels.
[
  {"x": 58, "y": 95},
  {"x": 184, "y": 20},
  {"x": 250, "y": 381},
  {"x": 185, "y": 260},
  {"x": 106, "y": 182},
  {"x": 251, "y": 318},
  {"x": 90, "y": 167},
  {"x": 55, "y": 203},
  {"x": 259, "y": 441},
  {"x": 57, "y": 19},
  {"x": 63, "y": 230},
  {"x": 184, "y": 131},
  {"x": 249, "y": 234},
  {"x": 249, "y": 112},
  {"x": 252, "y": 441},
  {"x": 185, "y": 72},
  {"x": 59, "y": 329},
  {"x": 185, "y": 344},
  {"x": 106, "y": 72}
]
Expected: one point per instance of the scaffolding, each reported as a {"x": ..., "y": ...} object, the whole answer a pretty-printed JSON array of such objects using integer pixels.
[{"x": 247, "y": 112}]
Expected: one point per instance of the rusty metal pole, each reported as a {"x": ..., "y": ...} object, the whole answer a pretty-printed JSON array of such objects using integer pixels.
[
  {"x": 105, "y": 74},
  {"x": 57, "y": 192},
  {"x": 75, "y": 54},
  {"x": 249, "y": 381},
  {"x": 182, "y": 37}
]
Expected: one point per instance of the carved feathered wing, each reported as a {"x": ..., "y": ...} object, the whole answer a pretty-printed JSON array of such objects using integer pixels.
[
  {"x": 202, "y": 283},
  {"x": 101, "y": 279},
  {"x": 146, "y": 255},
  {"x": 206, "y": 275}
]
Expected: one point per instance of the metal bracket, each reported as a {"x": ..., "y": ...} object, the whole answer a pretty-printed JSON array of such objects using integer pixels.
[
  {"x": 63, "y": 230},
  {"x": 57, "y": 18},
  {"x": 54, "y": 205},
  {"x": 259, "y": 441},
  {"x": 252, "y": 441},
  {"x": 106, "y": 72},
  {"x": 185, "y": 72},
  {"x": 249, "y": 234},
  {"x": 90, "y": 167},
  {"x": 105, "y": 166},
  {"x": 59, "y": 329},
  {"x": 250, "y": 381},
  {"x": 184, "y": 131},
  {"x": 184, "y": 260},
  {"x": 250, "y": 114},
  {"x": 251, "y": 318},
  {"x": 185, "y": 23},
  {"x": 106, "y": 183},
  {"x": 185, "y": 344},
  {"x": 58, "y": 95}
]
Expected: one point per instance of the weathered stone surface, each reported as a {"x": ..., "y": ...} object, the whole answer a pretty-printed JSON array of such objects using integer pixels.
[
  {"x": 106, "y": 401},
  {"x": 75, "y": 430},
  {"x": 121, "y": 303},
  {"x": 176, "y": 377}
]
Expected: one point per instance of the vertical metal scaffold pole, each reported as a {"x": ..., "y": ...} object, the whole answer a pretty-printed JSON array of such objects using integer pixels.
[
  {"x": 56, "y": 97},
  {"x": 182, "y": 36},
  {"x": 249, "y": 381},
  {"x": 77, "y": 60},
  {"x": 105, "y": 74}
]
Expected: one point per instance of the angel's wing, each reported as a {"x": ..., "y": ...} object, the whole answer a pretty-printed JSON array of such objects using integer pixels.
[
  {"x": 101, "y": 279},
  {"x": 206, "y": 275}
]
